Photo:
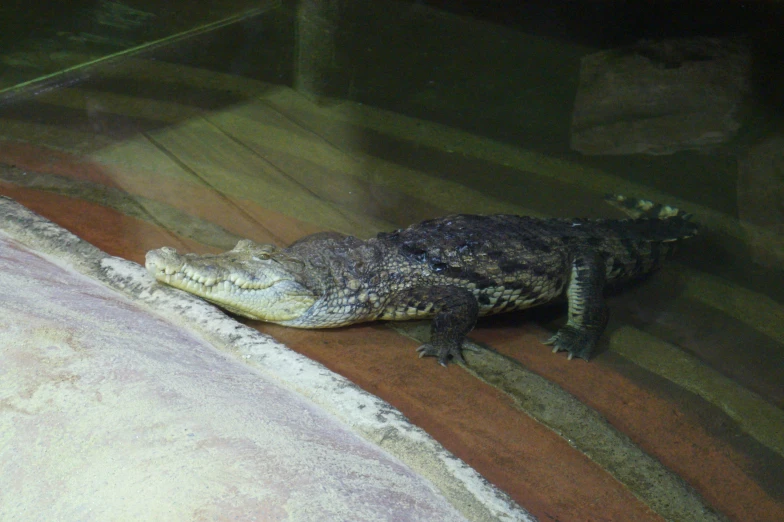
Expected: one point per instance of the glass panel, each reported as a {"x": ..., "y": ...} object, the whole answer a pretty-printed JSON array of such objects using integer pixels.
[{"x": 139, "y": 125}]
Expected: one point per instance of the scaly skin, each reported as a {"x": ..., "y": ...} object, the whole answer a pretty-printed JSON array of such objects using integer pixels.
[{"x": 453, "y": 269}]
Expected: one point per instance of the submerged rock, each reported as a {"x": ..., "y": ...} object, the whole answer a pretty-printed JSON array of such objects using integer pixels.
[
  {"x": 761, "y": 199},
  {"x": 660, "y": 97}
]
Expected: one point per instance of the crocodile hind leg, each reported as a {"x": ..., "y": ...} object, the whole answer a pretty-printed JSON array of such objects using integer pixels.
[
  {"x": 587, "y": 310},
  {"x": 454, "y": 310}
]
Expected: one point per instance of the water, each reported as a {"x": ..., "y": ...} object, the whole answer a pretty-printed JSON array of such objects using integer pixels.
[{"x": 360, "y": 117}]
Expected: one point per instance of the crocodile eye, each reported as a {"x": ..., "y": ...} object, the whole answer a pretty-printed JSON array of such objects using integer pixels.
[
  {"x": 439, "y": 267},
  {"x": 262, "y": 257}
]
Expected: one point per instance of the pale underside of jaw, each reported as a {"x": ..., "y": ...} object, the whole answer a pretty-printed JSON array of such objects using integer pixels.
[
  {"x": 279, "y": 301},
  {"x": 273, "y": 296}
]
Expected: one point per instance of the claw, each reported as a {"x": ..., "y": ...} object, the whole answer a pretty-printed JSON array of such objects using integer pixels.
[
  {"x": 576, "y": 342},
  {"x": 426, "y": 350},
  {"x": 443, "y": 354},
  {"x": 456, "y": 357}
]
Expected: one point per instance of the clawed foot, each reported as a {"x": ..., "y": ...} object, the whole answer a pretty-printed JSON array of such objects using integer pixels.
[
  {"x": 444, "y": 353},
  {"x": 578, "y": 343}
]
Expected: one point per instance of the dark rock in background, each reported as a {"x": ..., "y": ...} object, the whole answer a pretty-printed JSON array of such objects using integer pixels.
[
  {"x": 660, "y": 97},
  {"x": 761, "y": 198}
]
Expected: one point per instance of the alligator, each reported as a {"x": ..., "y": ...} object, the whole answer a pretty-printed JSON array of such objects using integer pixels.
[{"x": 452, "y": 269}]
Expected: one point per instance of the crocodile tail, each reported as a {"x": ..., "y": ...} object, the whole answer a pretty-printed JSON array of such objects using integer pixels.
[
  {"x": 643, "y": 208},
  {"x": 674, "y": 223}
]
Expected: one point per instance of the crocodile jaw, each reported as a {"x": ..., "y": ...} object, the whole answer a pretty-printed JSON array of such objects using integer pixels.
[{"x": 245, "y": 281}]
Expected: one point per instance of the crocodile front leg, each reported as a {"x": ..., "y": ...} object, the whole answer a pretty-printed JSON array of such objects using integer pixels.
[
  {"x": 454, "y": 310},
  {"x": 587, "y": 311}
]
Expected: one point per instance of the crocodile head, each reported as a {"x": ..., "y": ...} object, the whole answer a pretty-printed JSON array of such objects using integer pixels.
[{"x": 253, "y": 280}]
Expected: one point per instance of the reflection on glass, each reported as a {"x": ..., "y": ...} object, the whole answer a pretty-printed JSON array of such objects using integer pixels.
[{"x": 139, "y": 125}]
